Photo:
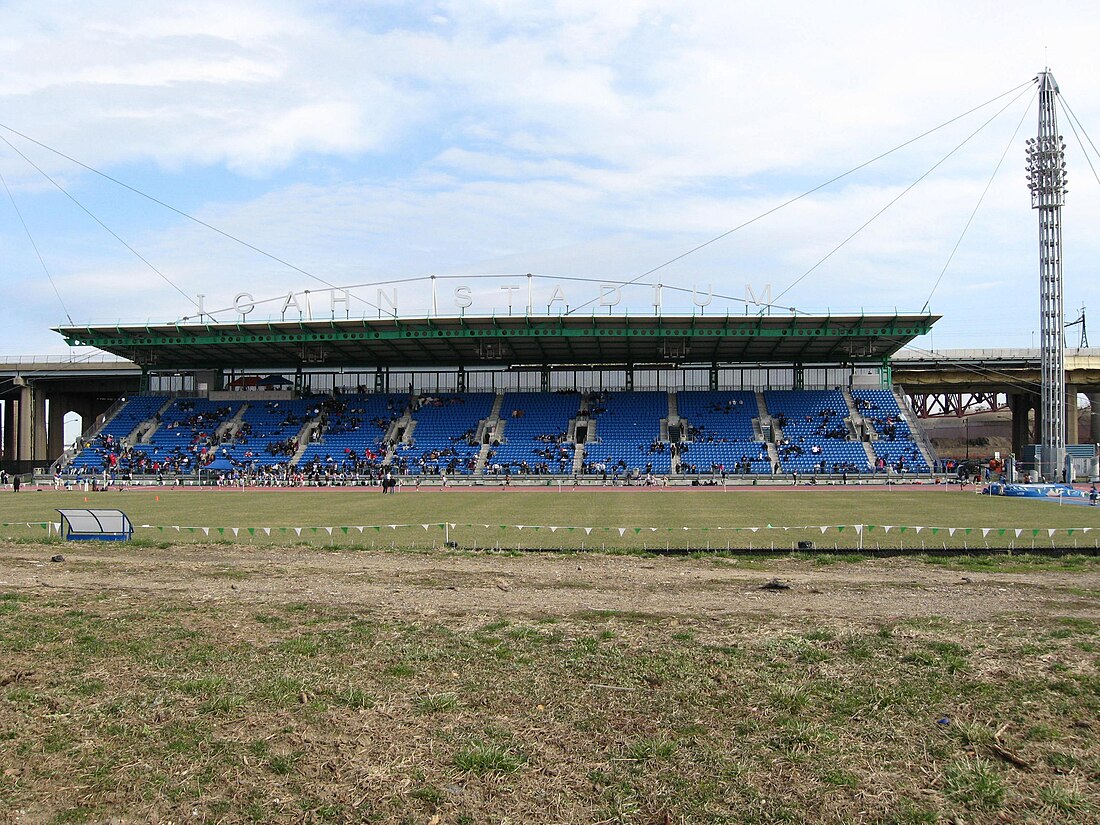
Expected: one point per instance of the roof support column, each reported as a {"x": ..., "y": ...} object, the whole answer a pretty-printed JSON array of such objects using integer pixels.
[
  {"x": 544, "y": 379},
  {"x": 713, "y": 377},
  {"x": 381, "y": 380},
  {"x": 885, "y": 374},
  {"x": 799, "y": 377},
  {"x": 461, "y": 379},
  {"x": 630, "y": 378}
]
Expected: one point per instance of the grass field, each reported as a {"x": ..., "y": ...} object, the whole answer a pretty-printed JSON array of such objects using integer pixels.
[
  {"x": 304, "y": 713},
  {"x": 182, "y": 679},
  {"x": 636, "y": 519}
]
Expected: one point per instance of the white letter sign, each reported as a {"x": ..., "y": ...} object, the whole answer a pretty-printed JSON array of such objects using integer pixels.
[
  {"x": 246, "y": 305},
  {"x": 462, "y": 297},
  {"x": 608, "y": 290}
]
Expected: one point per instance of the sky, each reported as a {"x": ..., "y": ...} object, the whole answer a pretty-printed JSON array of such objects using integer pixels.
[{"x": 155, "y": 152}]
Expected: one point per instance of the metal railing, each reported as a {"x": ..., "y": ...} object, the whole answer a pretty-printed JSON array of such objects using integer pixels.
[{"x": 93, "y": 358}]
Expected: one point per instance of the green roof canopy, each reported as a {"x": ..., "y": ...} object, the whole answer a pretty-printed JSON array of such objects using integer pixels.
[{"x": 509, "y": 340}]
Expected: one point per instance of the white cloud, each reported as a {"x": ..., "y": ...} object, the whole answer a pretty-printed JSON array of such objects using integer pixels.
[{"x": 384, "y": 140}]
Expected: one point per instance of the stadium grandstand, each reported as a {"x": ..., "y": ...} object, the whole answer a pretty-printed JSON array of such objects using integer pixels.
[{"x": 661, "y": 400}]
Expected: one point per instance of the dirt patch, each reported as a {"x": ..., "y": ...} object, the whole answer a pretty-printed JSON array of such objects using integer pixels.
[
  {"x": 430, "y": 584},
  {"x": 213, "y": 683}
]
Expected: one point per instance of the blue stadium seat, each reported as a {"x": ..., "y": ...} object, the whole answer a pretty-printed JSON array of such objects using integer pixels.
[
  {"x": 96, "y": 456},
  {"x": 351, "y": 439},
  {"x": 628, "y": 432},
  {"x": 814, "y": 426},
  {"x": 721, "y": 436},
  {"x": 443, "y": 435},
  {"x": 536, "y": 429},
  {"x": 267, "y": 435},
  {"x": 184, "y": 441},
  {"x": 895, "y": 445}
]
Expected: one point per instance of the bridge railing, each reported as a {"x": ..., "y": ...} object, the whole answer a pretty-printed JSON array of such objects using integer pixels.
[{"x": 94, "y": 358}]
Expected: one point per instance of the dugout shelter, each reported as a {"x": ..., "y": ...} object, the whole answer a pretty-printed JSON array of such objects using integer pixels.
[{"x": 95, "y": 525}]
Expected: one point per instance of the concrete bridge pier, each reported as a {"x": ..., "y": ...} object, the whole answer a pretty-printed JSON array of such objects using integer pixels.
[
  {"x": 24, "y": 423},
  {"x": 1072, "y": 428},
  {"x": 34, "y": 423},
  {"x": 11, "y": 428},
  {"x": 1021, "y": 405},
  {"x": 59, "y": 405},
  {"x": 37, "y": 394},
  {"x": 55, "y": 429},
  {"x": 1094, "y": 417}
]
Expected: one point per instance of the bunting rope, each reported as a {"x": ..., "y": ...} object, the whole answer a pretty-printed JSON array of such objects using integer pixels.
[{"x": 823, "y": 529}]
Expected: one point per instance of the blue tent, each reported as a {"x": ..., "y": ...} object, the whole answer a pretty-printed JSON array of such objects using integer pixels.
[{"x": 220, "y": 464}]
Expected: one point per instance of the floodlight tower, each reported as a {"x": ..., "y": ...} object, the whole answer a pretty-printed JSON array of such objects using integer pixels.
[{"x": 1046, "y": 178}]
